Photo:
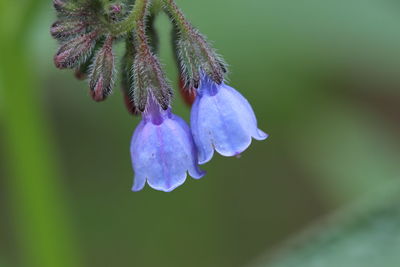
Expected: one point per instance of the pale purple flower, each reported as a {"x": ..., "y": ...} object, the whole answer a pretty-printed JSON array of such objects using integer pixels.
[
  {"x": 163, "y": 150},
  {"x": 222, "y": 119}
]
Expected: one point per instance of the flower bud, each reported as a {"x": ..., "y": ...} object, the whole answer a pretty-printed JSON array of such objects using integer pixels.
[
  {"x": 117, "y": 11},
  {"x": 149, "y": 77},
  {"x": 75, "y": 51},
  {"x": 116, "y": 8},
  {"x": 59, "y": 5},
  {"x": 68, "y": 8},
  {"x": 188, "y": 94},
  {"x": 64, "y": 29},
  {"x": 130, "y": 105},
  {"x": 102, "y": 73}
]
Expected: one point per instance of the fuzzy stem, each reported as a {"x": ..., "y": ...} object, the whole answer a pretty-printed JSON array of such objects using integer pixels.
[
  {"x": 141, "y": 37},
  {"x": 172, "y": 9}
]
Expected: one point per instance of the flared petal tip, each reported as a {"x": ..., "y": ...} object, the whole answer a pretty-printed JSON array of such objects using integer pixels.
[
  {"x": 166, "y": 187},
  {"x": 203, "y": 159},
  {"x": 158, "y": 188},
  {"x": 260, "y": 135},
  {"x": 197, "y": 173},
  {"x": 139, "y": 182},
  {"x": 241, "y": 147},
  {"x": 136, "y": 188}
]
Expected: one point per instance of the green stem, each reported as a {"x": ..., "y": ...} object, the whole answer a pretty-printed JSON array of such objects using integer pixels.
[
  {"x": 141, "y": 27},
  {"x": 127, "y": 25},
  {"x": 35, "y": 189},
  {"x": 180, "y": 21}
]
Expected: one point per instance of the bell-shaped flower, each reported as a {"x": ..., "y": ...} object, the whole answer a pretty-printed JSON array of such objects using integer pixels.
[
  {"x": 222, "y": 119},
  {"x": 163, "y": 150}
]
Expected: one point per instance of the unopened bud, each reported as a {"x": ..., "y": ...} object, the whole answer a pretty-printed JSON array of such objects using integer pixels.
[
  {"x": 116, "y": 12},
  {"x": 64, "y": 29},
  {"x": 59, "y": 5},
  {"x": 102, "y": 73},
  {"x": 68, "y": 8},
  {"x": 116, "y": 8},
  {"x": 80, "y": 75},
  {"x": 188, "y": 94},
  {"x": 130, "y": 105},
  {"x": 75, "y": 51}
]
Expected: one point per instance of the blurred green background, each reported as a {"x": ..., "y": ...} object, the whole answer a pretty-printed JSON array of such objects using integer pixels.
[{"x": 323, "y": 79}]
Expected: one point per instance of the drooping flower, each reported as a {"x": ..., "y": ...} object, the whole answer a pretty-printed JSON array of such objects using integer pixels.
[
  {"x": 222, "y": 119},
  {"x": 163, "y": 150}
]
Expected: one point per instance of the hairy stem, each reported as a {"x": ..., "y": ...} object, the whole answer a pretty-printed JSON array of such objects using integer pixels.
[
  {"x": 172, "y": 9},
  {"x": 141, "y": 27}
]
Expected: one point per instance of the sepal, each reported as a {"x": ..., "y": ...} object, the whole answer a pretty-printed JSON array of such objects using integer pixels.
[
  {"x": 68, "y": 8},
  {"x": 65, "y": 29},
  {"x": 197, "y": 57},
  {"x": 75, "y": 51},
  {"x": 149, "y": 77},
  {"x": 188, "y": 94},
  {"x": 102, "y": 72}
]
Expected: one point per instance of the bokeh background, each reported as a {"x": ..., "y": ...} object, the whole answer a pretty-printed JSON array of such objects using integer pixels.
[{"x": 323, "y": 79}]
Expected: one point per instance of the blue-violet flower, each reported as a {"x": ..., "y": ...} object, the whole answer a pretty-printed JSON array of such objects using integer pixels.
[
  {"x": 163, "y": 150},
  {"x": 222, "y": 119}
]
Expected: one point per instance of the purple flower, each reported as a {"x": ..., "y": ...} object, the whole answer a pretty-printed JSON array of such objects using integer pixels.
[
  {"x": 222, "y": 119},
  {"x": 163, "y": 150}
]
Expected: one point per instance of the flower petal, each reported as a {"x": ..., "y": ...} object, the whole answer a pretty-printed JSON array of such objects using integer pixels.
[
  {"x": 194, "y": 169},
  {"x": 222, "y": 119},
  {"x": 140, "y": 179},
  {"x": 255, "y": 132},
  {"x": 201, "y": 136}
]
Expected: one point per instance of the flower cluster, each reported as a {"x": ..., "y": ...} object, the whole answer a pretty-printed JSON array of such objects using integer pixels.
[{"x": 164, "y": 148}]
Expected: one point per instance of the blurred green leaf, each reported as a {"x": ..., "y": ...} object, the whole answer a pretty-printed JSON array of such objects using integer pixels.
[
  {"x": 367, "y": 234},
  {"x": 36, "y": 194},
  {"x": 353, "y": 149}
]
